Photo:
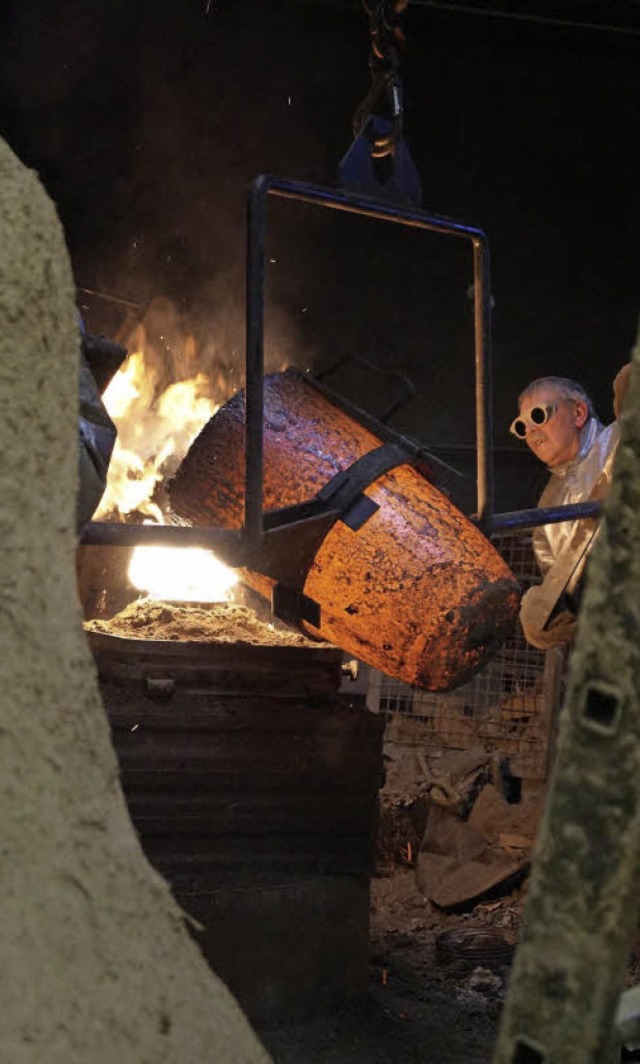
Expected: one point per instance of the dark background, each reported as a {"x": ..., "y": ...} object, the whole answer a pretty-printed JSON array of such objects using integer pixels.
[{"x": 148, "y": 121}]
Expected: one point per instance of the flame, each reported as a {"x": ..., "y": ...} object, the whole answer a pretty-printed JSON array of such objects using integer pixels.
[
  {"x": 156, "y": 427},
  {"x": 185, "y": 574},
  {"x": 151, "y": 431},
  {"x": 159, "y": 400}
]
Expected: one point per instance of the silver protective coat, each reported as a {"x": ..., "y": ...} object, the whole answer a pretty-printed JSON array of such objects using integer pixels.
[{"x": 586, "y": 477}]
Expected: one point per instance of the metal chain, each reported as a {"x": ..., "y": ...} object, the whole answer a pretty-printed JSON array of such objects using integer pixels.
[
  {"x": 387, "y": 38},
  {"x": 386, "y": 33}
]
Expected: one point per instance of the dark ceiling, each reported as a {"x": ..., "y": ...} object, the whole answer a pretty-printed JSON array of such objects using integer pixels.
[{"x": 585, "y": 13}]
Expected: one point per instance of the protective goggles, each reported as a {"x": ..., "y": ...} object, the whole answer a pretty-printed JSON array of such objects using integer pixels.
[{"x": 538, "y": 415}]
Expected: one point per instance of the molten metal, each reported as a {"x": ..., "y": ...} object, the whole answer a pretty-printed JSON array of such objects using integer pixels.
[{"x": 417, "y": 591}]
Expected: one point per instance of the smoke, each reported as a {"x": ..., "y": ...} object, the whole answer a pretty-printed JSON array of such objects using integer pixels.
[
  {"x": 181, "y": 368},
  {"x": 208, "y": 338}
]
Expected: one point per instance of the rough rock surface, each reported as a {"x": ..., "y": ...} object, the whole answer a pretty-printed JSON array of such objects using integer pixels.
[{"x": 97, "y": 963}]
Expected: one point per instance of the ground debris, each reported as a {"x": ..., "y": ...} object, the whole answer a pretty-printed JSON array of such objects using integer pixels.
[
  {"x": 445, "y": 814},
  {"x": 462, "y": 861},
  {"x": 484, "y": 981},
  {"x": 455, "y": 777}
]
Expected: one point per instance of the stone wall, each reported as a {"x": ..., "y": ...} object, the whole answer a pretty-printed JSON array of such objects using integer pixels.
[{"x": 97, "y": 963}]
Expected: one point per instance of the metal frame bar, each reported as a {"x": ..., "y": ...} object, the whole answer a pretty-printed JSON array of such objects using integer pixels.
[
  {"x": 518, "y": 520},
  {"x": 225, "y": 541},
  {"x": 353, "y": 203}
]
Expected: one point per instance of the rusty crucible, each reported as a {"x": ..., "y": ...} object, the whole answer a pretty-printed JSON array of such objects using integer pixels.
[{"x": 401, "y": 579}]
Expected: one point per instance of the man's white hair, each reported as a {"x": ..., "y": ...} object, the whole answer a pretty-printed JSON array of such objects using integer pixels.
[{"x": 563, "y": 387}]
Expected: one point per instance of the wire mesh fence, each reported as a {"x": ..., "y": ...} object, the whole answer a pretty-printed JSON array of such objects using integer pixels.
[{"x": 508, "y": 707}]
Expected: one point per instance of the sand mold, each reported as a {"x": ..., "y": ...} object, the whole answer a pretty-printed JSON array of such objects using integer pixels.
[{"x": 219, "y": 622}]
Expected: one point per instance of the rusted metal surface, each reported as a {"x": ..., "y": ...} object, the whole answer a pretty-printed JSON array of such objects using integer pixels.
[
  {"x": 254, "y": 790},
  {"x": 417, "y": 591},
  {"x": 297, "y": 672},
  {"x": 235, "y": 755}
]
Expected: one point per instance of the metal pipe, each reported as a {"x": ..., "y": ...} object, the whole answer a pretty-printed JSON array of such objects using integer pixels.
[
  {"x": 132, "y": 304},
  {"x": 352, "y": 202},
  {"x": 233, "y": 549},
  {"x": 225, "y": 542},
  {"x": 254, "y": 390},
  {"x": 521, "y": 16},
  {"x": 484, "y": 377},
  {"x": 518, "y": 520}
]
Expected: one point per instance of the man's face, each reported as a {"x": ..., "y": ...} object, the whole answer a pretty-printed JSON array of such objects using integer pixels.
[{"x": 558, "y": 440}]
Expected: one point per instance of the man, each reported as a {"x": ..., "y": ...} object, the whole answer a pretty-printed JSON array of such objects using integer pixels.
[
  {"x": 558, "y": 423},
  {"x": 99, "y": 360}
]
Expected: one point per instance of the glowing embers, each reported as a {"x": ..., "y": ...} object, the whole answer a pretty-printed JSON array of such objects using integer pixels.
[{"x": 181, "y": 574}]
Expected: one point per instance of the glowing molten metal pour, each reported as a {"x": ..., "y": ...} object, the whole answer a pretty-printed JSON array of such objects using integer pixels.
[
  {"x": 181, "y": 574},
  {"x": 151, "y": 431},
  {"x": 154, "y": 433}
]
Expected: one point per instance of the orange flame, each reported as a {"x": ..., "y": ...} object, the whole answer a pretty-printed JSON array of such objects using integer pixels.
[
  {"x": 154, "y": 433},
  {"x": 157, "y": 421},
  {"x": 150, "y": 433}
]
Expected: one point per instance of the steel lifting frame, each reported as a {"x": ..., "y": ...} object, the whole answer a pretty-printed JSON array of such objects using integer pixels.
[{"x": 258, "y": 539}]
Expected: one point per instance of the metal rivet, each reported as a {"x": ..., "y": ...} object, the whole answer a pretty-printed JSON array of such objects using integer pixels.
[
  {"x": 159, "y": 688},
  {"x": 525, "y": 1052},
  {"x": 602, "y": 709}
]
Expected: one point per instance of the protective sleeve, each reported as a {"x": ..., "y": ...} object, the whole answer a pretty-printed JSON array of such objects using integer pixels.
[{"x": 96, "y": 438}]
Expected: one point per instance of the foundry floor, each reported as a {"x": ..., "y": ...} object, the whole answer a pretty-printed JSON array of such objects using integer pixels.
[
  {"x": 421, "y": 1006},
  {"x": 415, "y": 1009}
]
